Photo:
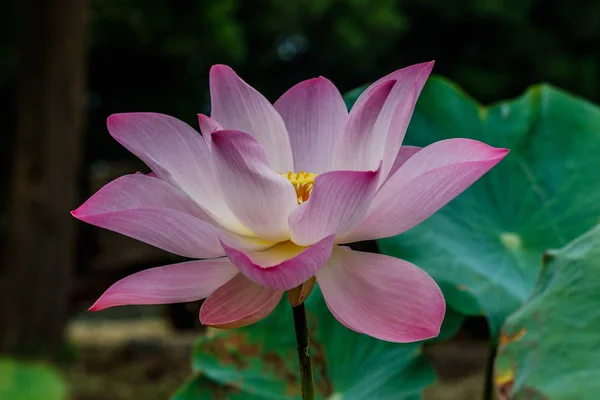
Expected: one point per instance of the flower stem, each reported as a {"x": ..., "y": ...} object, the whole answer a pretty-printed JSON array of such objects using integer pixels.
[
  {"x": 488, "y": 391},
  {"x": 306, "y": 373}
]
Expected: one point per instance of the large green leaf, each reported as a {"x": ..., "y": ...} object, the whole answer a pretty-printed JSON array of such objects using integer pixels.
[
  {"x": 549, "y": 347},
  {"x": 30, "y": 381},
  {"x": 485, "y": 247},
  {"x": 260, "y": 362}
]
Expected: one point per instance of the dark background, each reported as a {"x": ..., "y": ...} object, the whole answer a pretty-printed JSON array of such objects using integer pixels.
[
  {"x": 66, "y": 65},
  {"x": 154, "y": 55}
]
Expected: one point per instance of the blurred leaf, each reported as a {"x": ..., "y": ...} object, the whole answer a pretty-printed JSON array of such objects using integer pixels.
[
  {"x": 261, "y": 361},
  {"x": 29, "y": 381},
  {"x": 201, "y": 387},
  {"x": 485, "y": 247},
  {"x": 549, "y": 347}
]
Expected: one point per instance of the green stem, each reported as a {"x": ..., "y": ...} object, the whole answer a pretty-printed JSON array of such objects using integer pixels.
[
  {"x": 306, "y": 373},
  {"x": 488, "y": 392}
]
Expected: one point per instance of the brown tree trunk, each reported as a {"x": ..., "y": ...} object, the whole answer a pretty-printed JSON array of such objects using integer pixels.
[{"x": 40, "y": 248}]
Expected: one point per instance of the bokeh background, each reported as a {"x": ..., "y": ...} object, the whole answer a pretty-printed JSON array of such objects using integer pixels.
[{"x": 66, "y": 65}]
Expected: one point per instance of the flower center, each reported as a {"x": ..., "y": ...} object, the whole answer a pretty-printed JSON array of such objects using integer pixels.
[{"x": 303, "y": 182}]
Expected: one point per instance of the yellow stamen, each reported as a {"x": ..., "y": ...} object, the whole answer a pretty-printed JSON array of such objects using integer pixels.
[{"x": 303, "y": 182}]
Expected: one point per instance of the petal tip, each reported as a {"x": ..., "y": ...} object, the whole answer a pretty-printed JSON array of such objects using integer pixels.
[
  {"x": 96, "y": 306},
  {"x": 312, "y": 83},
  {"x": 502, "y": 152},
  {"x": 116, "y": 118},
  {"x": 320, "y": 80},
  {"x": 221, "y": 69},
  {"x": 496, "y": 153},
  {"x": 427, "y": 65},
  {"x": 79, "y": 212},
  {"x": 112, "y": 120}
]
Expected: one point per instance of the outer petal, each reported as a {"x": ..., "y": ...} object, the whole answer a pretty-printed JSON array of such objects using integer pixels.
[
  {"x": 238, "y": 303},
  {"x": 177, "y": 283},
  {"x": 155, "y": 212},
  {"x": 236, "y": 105},
  {"x": 282, "y": 267},
  {"x": 360, "y": 147},
  {"x": 177, "y": 154},
  {"x": 314, "y": 114},
  {"x": 260, "y": 198},
  {"x": 339, "y": 201},
  {"x": 405, "y": 106},
  {"x": 425, "y": 183},
  {"x": 381, "y": 296},
  {"x": 406, "y": 78}
]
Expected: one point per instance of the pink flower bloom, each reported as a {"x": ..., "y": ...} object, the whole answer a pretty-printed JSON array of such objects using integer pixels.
[{"x": 268, "y": 193}]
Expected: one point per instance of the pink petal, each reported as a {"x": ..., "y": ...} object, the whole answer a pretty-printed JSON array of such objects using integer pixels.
[
  {"x": 406, "y": 101},
  {"x": 238, "y": 303},
  {"x": 260, "y": 198},
  {"x": 238, "y": 106},
  {"x": 282, "y": 267},
  {"x": 314, "y": 114},
  {"x": 208, "y": 125},
  {"x": 384, "y": 297},
  {"x": 176, "y": 283},
  {"x": 177, "y": 154},
  {"x": 406, "y": 78},
  {"x": 339, "y": 201},
  {"x": 360, "y": 147},
  {"x": 155, "y": 212},
  {"x": 425, "y": 183},
  {"x": 403, "y": 155}
]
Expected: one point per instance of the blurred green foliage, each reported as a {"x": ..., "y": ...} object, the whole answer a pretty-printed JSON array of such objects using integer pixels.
[
  {"x": 30, "y": 381},
  {"x": 549, "y": 348}
]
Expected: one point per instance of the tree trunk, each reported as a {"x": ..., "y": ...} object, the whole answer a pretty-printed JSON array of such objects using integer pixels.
[{"x": 40, "y": 248}]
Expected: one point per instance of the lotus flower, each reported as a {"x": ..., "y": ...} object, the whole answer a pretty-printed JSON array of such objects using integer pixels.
[{"x": 266, "y": 196}]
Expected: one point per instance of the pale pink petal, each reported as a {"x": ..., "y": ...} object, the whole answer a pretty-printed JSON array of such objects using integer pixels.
[
  {"x": 425, "y": 183},
  {"x": 260, "y": 198},
  {"x": 363, "y": 146},
  {"x": 398, "y": 125},
  {"x": 381, "y": 296},
  {"x": 208, "y": 125},
  {"x": 238, "y": 106},
  {"x": 360, "y": 147},
  {"x": 155, "y": 212},
  {"x": 176, "y": 283},
  {"x": 238, "y": 303},
  {"x": 314, "y": 114},
  {"x": 338, "y": 202},
  {"x": 403, "y": 155},
  {"x": 177, "y": 154},
  {"x": 284, "y": 266}
]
